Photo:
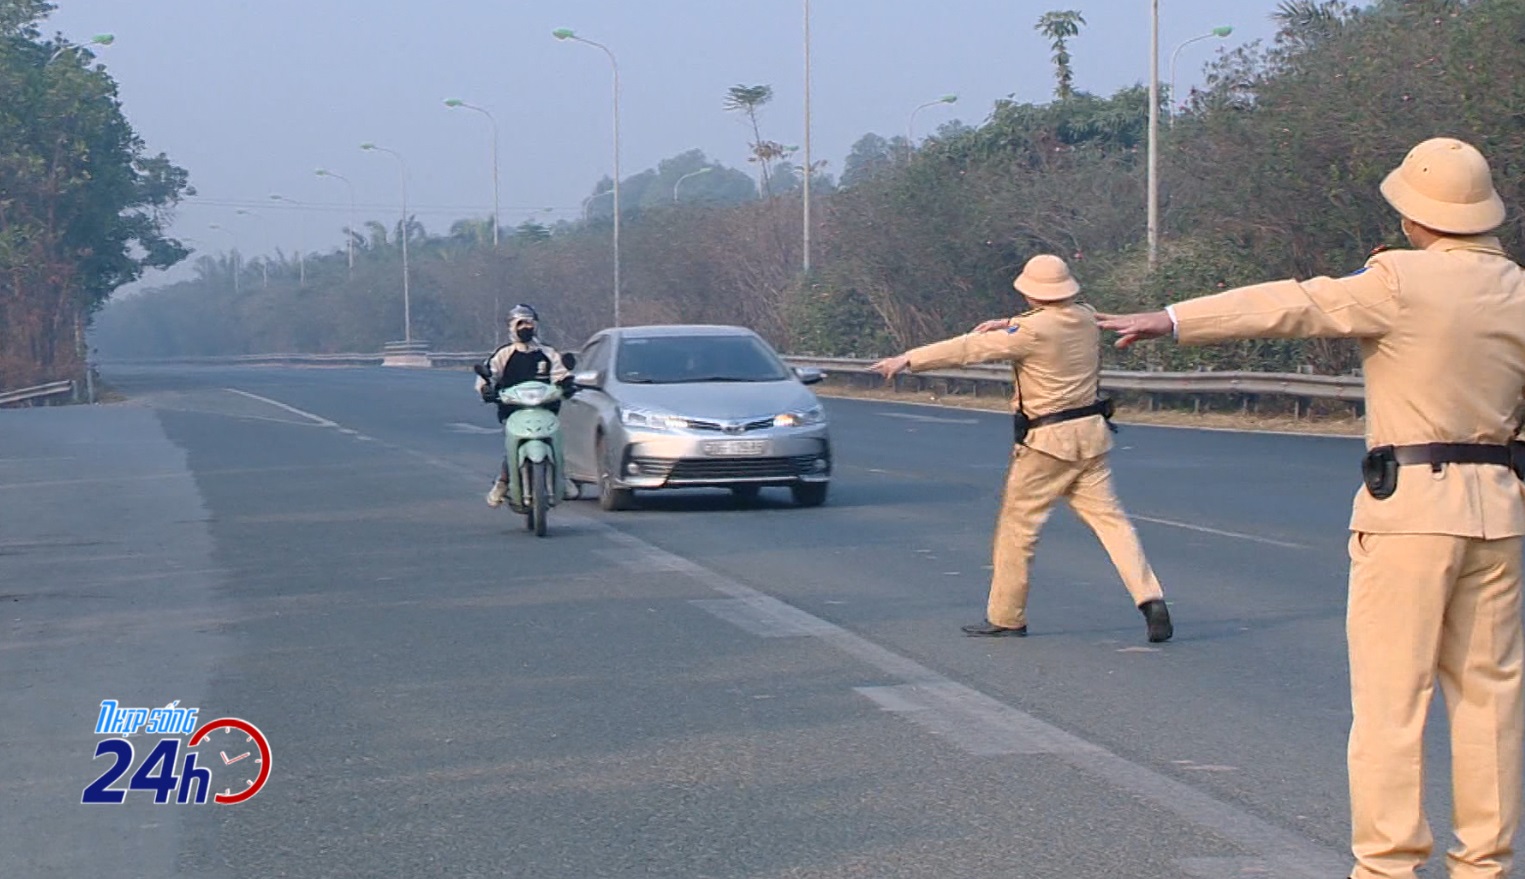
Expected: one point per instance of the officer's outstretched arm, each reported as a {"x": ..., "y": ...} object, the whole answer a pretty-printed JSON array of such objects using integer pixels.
[
  {"x": 1362, "y": 305},
  {"x": 1011, "y": 344}
]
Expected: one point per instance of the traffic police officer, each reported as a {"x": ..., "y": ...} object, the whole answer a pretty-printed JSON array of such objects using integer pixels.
[
  {"x": 1437, "y": 530},
  {"x": 1062, "y": 441}
]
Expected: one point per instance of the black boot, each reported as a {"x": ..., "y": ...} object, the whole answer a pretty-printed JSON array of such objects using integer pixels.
[
  {"x": 988, "y": 629},
  {"x": 1157, "y": 618}
]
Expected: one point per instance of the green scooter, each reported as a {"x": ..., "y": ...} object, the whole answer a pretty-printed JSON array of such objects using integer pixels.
[{"x": 532, "y": 444}]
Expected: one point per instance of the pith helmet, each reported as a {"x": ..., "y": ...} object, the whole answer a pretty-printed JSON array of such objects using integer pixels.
[
  {"x": 1046, "y": 278},
  {"x": 1445, "y": 184}
]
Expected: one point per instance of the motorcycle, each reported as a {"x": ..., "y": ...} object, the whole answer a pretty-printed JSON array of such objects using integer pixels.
[{"x": 531, "y": 440}]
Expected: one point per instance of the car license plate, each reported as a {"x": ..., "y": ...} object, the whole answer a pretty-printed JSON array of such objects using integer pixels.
[{"x": 735, "y": 448}]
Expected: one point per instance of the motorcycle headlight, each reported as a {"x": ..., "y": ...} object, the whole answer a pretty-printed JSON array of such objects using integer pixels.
[
  {"x": 651, "y": 420},
  {"x": 813, "y": 415},
  {"x": 532, "y": 396}
]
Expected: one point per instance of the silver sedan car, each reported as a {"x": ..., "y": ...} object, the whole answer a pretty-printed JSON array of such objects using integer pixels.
[{"x": 689, "y": 407}]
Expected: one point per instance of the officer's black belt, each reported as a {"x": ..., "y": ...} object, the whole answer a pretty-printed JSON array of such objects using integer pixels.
[
  {"x": 1100, "y": 407},
  {"x": 1379, "y": 469},
  {"x": 1436, "y": 454}
]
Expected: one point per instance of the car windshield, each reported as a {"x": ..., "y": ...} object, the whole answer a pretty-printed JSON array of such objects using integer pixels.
[{"x": 663, "y": 360}]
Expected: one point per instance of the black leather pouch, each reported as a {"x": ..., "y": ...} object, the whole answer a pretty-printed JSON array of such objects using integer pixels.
[{"x": 1379, "y": 470}]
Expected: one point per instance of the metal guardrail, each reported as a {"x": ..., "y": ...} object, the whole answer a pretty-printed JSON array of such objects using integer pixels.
[
  {"x": 38, "y": 392},
  {"x": 1348, "y": 388}
]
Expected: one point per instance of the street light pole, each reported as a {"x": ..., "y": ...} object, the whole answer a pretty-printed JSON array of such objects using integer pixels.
[
  {"x": 301, "y": 234},
  {"x": 910, "y": 134},
  {"x": 1220, "y": 33},
  {"x": 805, "y": 235},
  {"x": 97, "y": 40},
  {"x": 456, "y": 102},
  {"x": 1154, "y": 133},
  {"x": 349, "y": 235},
  {"x": 706, "y": 169},
  {"x": 234, "y": 256},
  {"x": 567, "y": 34},
  {"x": 264, "y": 230},
  {"x": 407, "y": 306}
]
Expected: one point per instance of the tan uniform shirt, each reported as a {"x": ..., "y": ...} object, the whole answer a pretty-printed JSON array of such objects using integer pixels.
[
  {"x": 1056, "y": 363},
  {"x": 1442, "y": 335}
]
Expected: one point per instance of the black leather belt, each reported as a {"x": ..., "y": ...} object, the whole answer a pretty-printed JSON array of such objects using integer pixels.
[
  {"x": 1436, "y": 454},
  {"x": 1100, "y": 407}
]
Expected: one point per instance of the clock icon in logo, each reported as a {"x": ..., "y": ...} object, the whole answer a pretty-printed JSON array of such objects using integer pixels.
[{"x": 242, "y": 750}]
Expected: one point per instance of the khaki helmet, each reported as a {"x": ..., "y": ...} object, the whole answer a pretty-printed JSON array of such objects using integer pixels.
[
  {"x": 1444, "y": 184},
  {"x": 1046, "y": 278}
]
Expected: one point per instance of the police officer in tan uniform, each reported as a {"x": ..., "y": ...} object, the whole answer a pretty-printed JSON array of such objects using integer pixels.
[
  {"x": 1062, "y": 444},
  {"x": 1437, "y": 529}
]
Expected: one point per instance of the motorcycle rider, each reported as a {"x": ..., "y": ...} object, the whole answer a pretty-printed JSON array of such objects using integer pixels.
[{"x": 524, "y": 359}]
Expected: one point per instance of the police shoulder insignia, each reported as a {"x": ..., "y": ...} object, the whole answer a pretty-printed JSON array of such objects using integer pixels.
[
  {"x": 1360, "y": 271},
  {"x": 1013, "y": 329}
]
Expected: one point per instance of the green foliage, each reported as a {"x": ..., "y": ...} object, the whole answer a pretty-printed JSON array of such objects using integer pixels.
[
  {"x": 82, "y": 205},
  {"x": 1060, "y": 27}
]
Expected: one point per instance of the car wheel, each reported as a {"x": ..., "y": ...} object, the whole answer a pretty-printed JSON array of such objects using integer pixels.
[
  {"x": 809, "y": 494},
  {"x": 611, "y": 498}
]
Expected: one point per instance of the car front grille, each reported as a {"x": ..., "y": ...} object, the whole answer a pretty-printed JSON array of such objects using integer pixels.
[
  {"x": 725, "y": 469},
  {"x": 730, "y": 427}
]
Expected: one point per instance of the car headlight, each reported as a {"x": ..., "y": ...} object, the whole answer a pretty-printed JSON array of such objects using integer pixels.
[
  {"x": 651, "y": 420},
  {"x": 813, "y": 415}
]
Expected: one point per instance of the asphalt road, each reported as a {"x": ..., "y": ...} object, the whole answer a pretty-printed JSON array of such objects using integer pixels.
[{"x": 698, "y": 688}]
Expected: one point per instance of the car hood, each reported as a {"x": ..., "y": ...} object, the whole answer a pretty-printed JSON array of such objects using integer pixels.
[{"x": 718, "y": 400}]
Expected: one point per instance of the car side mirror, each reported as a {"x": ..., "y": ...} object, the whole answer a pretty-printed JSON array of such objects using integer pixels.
[
  {"x": 809, "y": 375},
  {"x": 569, "y": 360},
  {"x": 589, "y": 379},
  {"x": 482, "y": 370}
]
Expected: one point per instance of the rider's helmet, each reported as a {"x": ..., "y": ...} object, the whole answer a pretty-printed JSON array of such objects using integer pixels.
[{"x": 523, "y": 317}]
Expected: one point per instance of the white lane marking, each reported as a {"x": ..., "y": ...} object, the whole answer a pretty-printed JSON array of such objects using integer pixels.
[
  {"x": 929, "y": 419},
  {"x": 973, "y": 721},
  {"x": 1219, "y": 532},
  {"x": 1284, "y": 853},
  {"x": 763, "y": 619},
  {"x": 316, "y": 419},
  {"x": 463, "y": 427}
]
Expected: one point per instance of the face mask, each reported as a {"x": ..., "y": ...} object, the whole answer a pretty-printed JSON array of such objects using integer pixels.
[{"x": 525, "y": 334}]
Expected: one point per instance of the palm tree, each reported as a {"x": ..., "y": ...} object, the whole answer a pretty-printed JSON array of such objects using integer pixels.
[
  {"x": 1059, "y": 27},
  {"x": 749, "y": 99}
]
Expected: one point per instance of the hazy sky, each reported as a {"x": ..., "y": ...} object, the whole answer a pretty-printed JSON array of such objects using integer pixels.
[{"x": 252, "y": 95}]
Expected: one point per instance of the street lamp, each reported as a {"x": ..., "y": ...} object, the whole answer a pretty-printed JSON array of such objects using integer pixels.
[
  {"x": 349, "y": 234},
  {"x": 234, "y": 259},
  {"x": 264, "y": 262},
  {"x": 97, "y": 40},
  {"x": 407, "y": 307},
  {"x": 910, "y": 136},
  {"x": 453, "y": 103},
  {"x": 805, "y": 233},
  {"x": 1219, "y": 32},
  {"x": 589, "y": 200},
  {"x": 1154, "y": 134},
  {"x": 568, "y": 34},
  {"x": 705, "y": 170},
  {"x": 301, "y": 236}
]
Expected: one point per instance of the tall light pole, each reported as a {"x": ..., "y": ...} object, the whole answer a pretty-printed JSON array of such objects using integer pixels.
[
  {"x": 910, "y": 131},
  {"x": 407, "y": 306},
  {"x": 234, "y": 255},
  {"x": 264, "y": 262},
  {"x": 301, "y": 235},
  {"x": 1220, "y": 33},
  {"x": 805, "y": 235},
  {"x": 567, "y": 34},
  {"x": 456, "y": 102},
  {"x": 97, "y": 40},
  {"x": 705, "y": 170},
  {"x": 1154, "y": 133},
  {"x": 349, "y": 234}
]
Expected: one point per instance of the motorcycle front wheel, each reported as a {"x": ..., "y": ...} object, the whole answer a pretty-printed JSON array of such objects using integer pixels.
[{"x": 540, "y": 495}]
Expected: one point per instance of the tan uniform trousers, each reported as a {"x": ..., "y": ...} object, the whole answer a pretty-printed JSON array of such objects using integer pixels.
[
  {"x": 1422, "y": 606},
  {"x": 1033, "y": 484}
]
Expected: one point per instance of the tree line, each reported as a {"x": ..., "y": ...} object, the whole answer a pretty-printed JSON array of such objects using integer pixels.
[{"x": 1269, "y": 170}]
